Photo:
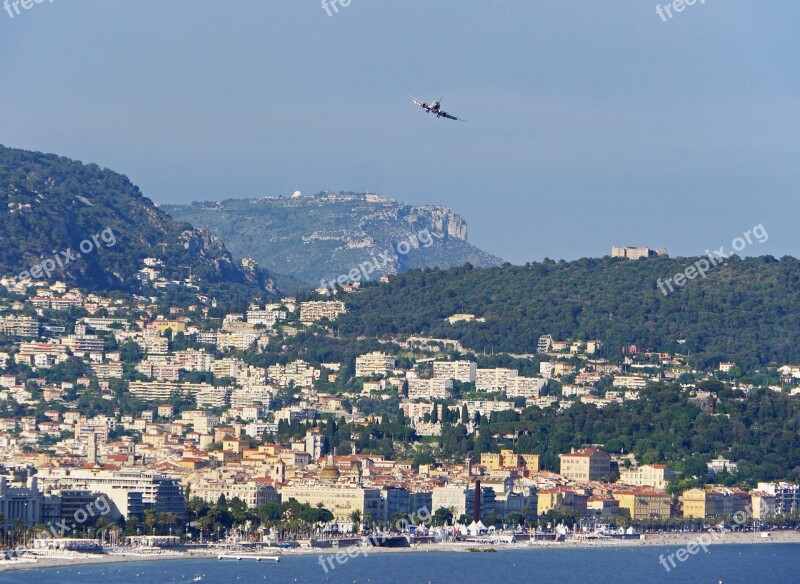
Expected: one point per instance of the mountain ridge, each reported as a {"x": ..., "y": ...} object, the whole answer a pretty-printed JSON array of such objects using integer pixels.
[{"x": 313, "y": 237}]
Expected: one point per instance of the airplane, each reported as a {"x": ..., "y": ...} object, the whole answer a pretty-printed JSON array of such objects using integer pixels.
[{"x": 435, "y": 108}]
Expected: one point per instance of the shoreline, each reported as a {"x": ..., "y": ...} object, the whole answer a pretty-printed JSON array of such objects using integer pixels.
[{"x": 649, "y": 540}]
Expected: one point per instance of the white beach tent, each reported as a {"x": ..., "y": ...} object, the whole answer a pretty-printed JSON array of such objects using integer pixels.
[{"x": 477, "y": 528}]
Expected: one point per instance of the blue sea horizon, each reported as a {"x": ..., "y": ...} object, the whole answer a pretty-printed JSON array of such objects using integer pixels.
[{"x": 729, "y": 564}]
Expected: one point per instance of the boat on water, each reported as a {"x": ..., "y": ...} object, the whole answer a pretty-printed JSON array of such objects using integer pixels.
[{"x": 257, "y": 558}]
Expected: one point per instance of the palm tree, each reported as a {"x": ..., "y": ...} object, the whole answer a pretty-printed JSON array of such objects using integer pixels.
[
  {"x": 205, "y": 524},
  {"x": 150, "y": 520},
  {"x": 355, "y": 517},
  {"x": 172, "y": 520},
  {"x": 18, "y": 528}
]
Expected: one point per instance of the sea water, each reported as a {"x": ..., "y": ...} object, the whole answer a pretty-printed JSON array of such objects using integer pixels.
[{"x": 729, "y": 564}]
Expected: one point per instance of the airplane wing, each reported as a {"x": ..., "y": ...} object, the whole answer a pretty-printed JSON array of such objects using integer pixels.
[
  {"x": 449, "y": 117},
  {"x": 418, "y": 102}
]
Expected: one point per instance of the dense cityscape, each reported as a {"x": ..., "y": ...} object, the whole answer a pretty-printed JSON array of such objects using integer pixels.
[
  {"x": 358, "y": 292},
  {"x": 194, "y": 423}
]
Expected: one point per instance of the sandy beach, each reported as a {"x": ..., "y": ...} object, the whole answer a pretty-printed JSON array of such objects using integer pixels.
[{"x": 654, "y": 540}]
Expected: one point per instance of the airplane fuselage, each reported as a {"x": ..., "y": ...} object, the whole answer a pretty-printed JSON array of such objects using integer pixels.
[{"x": 434, "y": 108}]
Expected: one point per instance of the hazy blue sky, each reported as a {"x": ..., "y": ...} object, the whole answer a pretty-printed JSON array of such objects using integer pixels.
[{"x": 589, "y": 123}]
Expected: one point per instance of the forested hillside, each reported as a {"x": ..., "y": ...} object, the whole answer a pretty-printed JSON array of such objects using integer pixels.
[
  {"x": 746, "y": 311},
  {"x": 760, "y": 432},
  {"x": 52, "y": 204}
]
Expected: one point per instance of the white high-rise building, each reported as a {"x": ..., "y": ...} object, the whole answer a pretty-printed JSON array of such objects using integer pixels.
[
  {"x": 465, "y": 371},
  {"x": 375, "y": 363},
  {"x": 429, "y": 388},
  {"x": 130, "y": 491},
  {"x": 527, "y": 387},
  {"x": 494, "y": 379}
]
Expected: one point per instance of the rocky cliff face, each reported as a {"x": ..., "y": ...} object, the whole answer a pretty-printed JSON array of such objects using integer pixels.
[
  {"x": 444, "y": 220},
  {"x": 317, "y": 237}
]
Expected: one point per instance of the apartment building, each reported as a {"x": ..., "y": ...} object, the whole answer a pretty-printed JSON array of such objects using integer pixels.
[
  {"x": 162, "y": 390},
  {"x": 152, "y": 343},
  {"x": 375, "y": 363},
  {"x": 527, "y": 387},
  {"x": 644, "y": 503},
  {"x": 107, "y": 370},
  {"x": 82, "y": 344},
  {"x": 104, "y": 323},
  {"x": 63, "y": 504},
  {"x": 300, "y": 373},
  {"x": 194, "y": 360},
  {"x": 587, "y": 378},
  {"x": 429, "y": 389},
  {"x": 266, "y": 317},
  {"x": 214, "y": 397},
  {"x": 587, "y": 464},
  {"x": 241, "y": 341},
  {"x": 561, "y": 368},
  {"x": 494, "y": 379},
  {"x": 158, "y": 371},
  {"x": 630, "y": 381},
  {"x": 603, "y": 507},
  {"x": 562, "y": 498},
  {"x": 508, "y": 459},
  {"x": 131, "y": 492},
  {"x": 315, "y": 444},
  {"x": 718, "y": 502},
  {"x": 28, "y": 351},
  {"x": 483, "y": 407},
  {"x": 315, "y": 310},
  {"x": 342, "y": 501},
  {"x": 227, "y": 367},
  {"x": 787, "y": 496},
  {"x": 394, "y": 500},
  {"x": 19, "y": 326},
  {"x": 175, "y": 325},
  {"x": 647, "y": 475},
  {"x": 544, "y": 344},
  {"x": 252, "y": 494},
  {"x": 464, "y": 371},
  {"x": 763, "y": 505},
  {"x": 251, "y": 394},
  {"x": 460, "y": 499},
  {"x": 206, "y": 337}
]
